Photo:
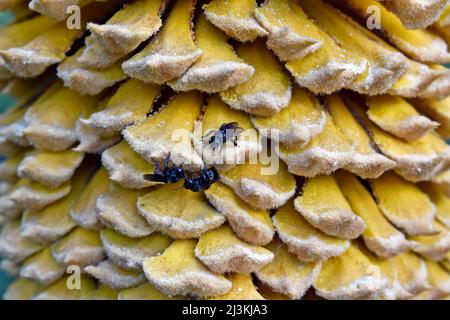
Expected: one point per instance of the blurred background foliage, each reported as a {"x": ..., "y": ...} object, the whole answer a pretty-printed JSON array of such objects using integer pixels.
[{"x": 5, "y": 102}]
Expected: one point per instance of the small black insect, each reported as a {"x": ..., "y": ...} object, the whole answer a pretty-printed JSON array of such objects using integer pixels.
[
  {"x": 170, "y": 174},
  {"x": 227, "y": 132},
  {"x": 206, "y": 178}
]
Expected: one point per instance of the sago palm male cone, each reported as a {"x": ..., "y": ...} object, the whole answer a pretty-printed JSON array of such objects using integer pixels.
[{"x": 351, "y": 96}]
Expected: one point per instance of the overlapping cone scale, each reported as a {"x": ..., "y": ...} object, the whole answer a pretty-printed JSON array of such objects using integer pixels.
[{"x": 225, "y": 149}]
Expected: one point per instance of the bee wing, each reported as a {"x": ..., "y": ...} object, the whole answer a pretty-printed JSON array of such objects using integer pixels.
[
  {"x": 229, "y": 126},
  {"x": 154, "y": 178}
]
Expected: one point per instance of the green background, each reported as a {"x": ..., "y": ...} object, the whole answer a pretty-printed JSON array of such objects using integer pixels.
[{"x": 5, "y": 102}]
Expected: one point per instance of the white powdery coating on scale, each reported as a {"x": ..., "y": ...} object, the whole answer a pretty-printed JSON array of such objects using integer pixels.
[
  {"x": 416, "y": 14},
  {"x": 420, "y": 281},
  {"x": 201, "y": 283},
  {"x": 243, "y": 224},
  {"x": 390, "y": 246},
  {"x": 91, "y": 141},
  {"x": 218, "y": 76},
  {"x": 413, "y": 227},
  {"x": 11, "y": 250},
  {"x": 54, "y": 9},
  {"x": 111, "y": 216},
  {"x": 14, "y": 245},
  {"x": 180, "y": 228},
  {"x": 366, "y": 287},
  {"x": 258, "y": 194},
  {"x": 48, "y": 178},
  {"x": 369, "y": 166},
  {"x": 438, "y": 89},
  {"x": 315, "y": 161},
  {"x": 36, "y": 200},
  {"x": 9, "y": 208},
  {"x": 123, "y": 173},
  {"x": 410, "y": 129},
  {"x": 150, "y": 149},
  {"x": 120, "y": 39},
  {"x": 260, "y": 103},
  {"x": 45, "y": 234},
  {"x": 299, "y": 134},
  {"x": 436, "y": 52},
  {"x": 417, "y": 167},
  {"x": 106, "y": 123},
  {"x": 79, "y": 255},
  {"x": 287, "y": 44},
  {"x": 437, "y": 251},
  {"x": 311, "y": 249},
  {"x": 117, "y": 31},
  {"x": 49, "y": 136},
  {"x": 294, "y": 289},
  {"x": 15, "y": 132},
  {"x": 441, "y": 289},
  {"x": 159, "y": 68},
  {"x": 95, "y": 57},
  {"x": 238, "y": 258},
  {"x": 44, "y": 277},
  {"x": 106, "y": 273},
  {"x": 417, "y": 82},
  {"x": 395, "y": 291},
  {"x": 123, "y": 257},
  {"x": 378, "y": 80},
  {"x": 241, "y": 29},
  {"x": 88, "y": 218},
  {"x": 27, "y": 63},
  {"x": 335, "y": 222},
  {"x": 330, "y": 78},
  {"x": 85, "y": 81},
  {"x": 383, "y": 74}
]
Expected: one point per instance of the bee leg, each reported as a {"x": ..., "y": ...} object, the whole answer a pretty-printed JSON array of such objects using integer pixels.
[
  {"x": 204, "y": 174},
  {"x": 166, "y": 162},
  {"x": 158, "y": 170},
  {"x": 180, "y": 173},
  {"x": 198, "y": 184},
  {"x": 187, "y": 182}
]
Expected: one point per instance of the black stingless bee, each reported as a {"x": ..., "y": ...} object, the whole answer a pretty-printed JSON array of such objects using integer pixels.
[
  {"x": 206, "y": 178},
  {"x": 170, "y": 174},
  {"x": 227, "y": 132}
]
